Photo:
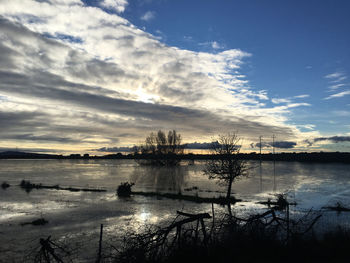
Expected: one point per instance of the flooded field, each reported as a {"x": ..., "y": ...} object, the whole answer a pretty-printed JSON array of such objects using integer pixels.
[{"x": 75, "y": 217}]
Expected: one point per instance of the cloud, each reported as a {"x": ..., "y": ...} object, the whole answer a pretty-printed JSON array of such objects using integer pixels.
[
  {"x": 199, "y": 146},
  {"x": 277, "y": 144},
  {"x": 210, "y": 44},
  {"x": 116, "y": 5},
  {"x": 336, "y": 80},
  {"x": 341, "y": 113},
  {"x": 117, "y": 80},
  {"x": 215, "y": 45},
  {"x": 148, "y": 16},
  {"x": 337, "y": 86},
  {"x": 190, "y": 146},
  {"x": 115, "y": 149},
  {"x": 335, "y": 75},
  {"x": 338, "y": 95},
  {"x": 289, "y": 100},
  {"x": 30, "y": 150},
  {"x": 308, "y": 126},
  {"x": 333, "y": 139},
  {"x": 301, "y": 96},
  {"x": 278, "y": 101}
]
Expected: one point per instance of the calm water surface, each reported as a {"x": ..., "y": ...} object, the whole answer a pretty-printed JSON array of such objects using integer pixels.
[{"x": 76, "y": 216}]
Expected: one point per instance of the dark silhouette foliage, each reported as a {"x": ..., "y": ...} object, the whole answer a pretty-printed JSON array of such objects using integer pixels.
[
  {"x": 258, "y": 238},
  {"x": 124, "y": 189},
  {"x": 226, "y": 166},
  {"x": 162, "y": 149}
]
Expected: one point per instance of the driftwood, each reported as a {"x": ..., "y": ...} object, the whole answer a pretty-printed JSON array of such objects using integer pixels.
[
  {"x": 155, "y": 243},
  {"x": 178, "y": 225},
  {"x": 270, "y": 220}
]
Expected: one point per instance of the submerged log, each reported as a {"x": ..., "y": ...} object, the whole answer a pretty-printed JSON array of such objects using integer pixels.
[
  {"x": 37, "y": 222},
  {"x": 191, "y": 198},
  {"x": 28, "y": 186}
]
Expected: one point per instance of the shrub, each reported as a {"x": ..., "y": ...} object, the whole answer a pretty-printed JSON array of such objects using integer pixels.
[
  {"x": 124, "y": 189},
  {"x": 5, "y": 185}
]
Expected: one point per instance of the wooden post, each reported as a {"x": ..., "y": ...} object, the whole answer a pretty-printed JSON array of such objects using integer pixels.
[
  {"x": 196, "y": 233},
  {"x": 178, "y": 230},
  {"x": 203, "y": 229},
  {"x": 100, "y": 245},
  {"x": 212, "y": 210},
  {"x": 288, "y": 222}
]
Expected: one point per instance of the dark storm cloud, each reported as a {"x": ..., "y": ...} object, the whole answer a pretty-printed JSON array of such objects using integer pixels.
[
  {"x": 199, "y": 146},
  {"x": 7, "y": 57},
  {"x": 277, "y": 144},
  {"x": 333, "y": 139},
  {"x": 285, "y": 144},
  {"x": 49, "y": 86},
  {"x": 194, "y": 146},
  {"x": 11, "y": 121},
  {"x": 30, "y": 150},
  {"x": 115, "y": 149},
  {"x": 31, "y": 137},
  {"x": 15, "y": 126}
]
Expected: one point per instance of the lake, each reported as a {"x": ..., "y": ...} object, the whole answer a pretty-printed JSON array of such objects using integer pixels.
[{"x": 75, "y": 217}]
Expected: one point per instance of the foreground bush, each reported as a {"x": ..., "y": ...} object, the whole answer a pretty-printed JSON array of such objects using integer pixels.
[{"x": 268, "y": 237}]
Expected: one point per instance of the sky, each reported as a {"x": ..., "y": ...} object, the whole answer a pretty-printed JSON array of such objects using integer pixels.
[{"x": 99, "y": 76}]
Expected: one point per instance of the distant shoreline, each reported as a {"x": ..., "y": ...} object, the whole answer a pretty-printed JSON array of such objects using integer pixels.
[{"x": 316, "y": 157}]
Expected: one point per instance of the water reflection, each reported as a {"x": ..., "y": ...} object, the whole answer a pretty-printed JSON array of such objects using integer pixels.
[
  {"x": 260, "y": 175},
  {"x": 274, "y": 176},
  {"x": 160, "y": 179}
]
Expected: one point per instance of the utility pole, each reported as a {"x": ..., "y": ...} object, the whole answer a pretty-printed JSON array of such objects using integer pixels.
[
  {"x": 260, "y": 168},
  {"x": 274, "y": 164},
  {"x": 260, "y": 145}
]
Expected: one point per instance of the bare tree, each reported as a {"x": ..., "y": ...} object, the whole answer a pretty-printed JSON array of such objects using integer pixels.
[
  {"x": 162, "y": 149},
  {"x": 225, "y": 166}
]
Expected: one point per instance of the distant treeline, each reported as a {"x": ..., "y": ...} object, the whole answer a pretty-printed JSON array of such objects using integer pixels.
[{"x": 340, "y": 157}]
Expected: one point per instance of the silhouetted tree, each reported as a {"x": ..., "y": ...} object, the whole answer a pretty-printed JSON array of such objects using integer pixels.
[
  {"x": 162, "y": 149},
  {"x": 225, "y": 165}
]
